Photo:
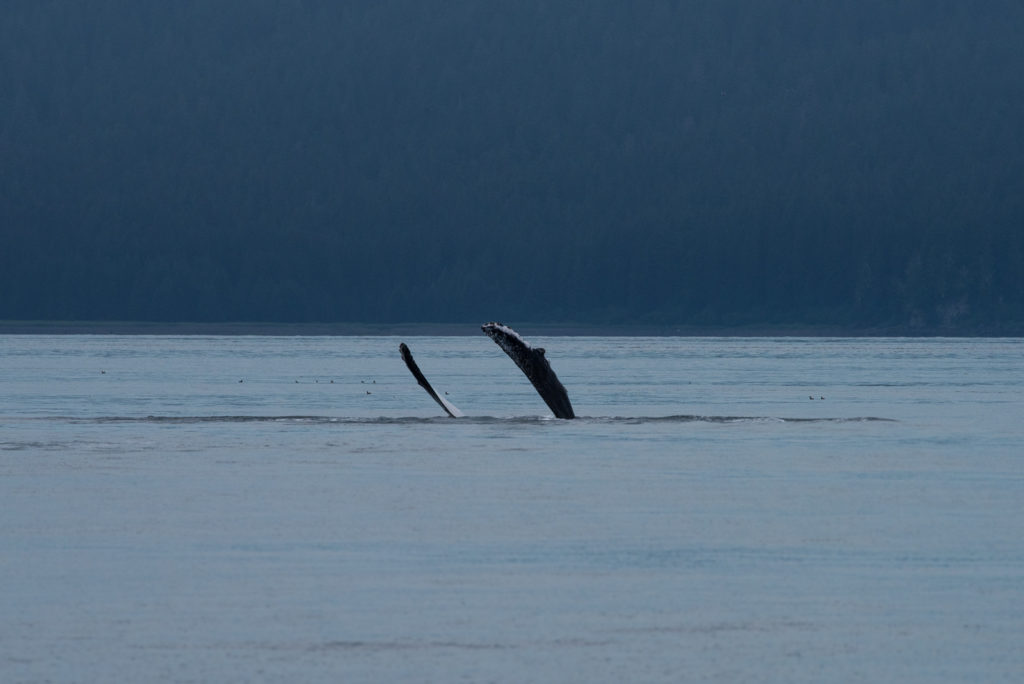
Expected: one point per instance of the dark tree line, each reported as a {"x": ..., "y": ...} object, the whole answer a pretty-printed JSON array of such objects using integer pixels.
[{"x": 851, "y": 163}]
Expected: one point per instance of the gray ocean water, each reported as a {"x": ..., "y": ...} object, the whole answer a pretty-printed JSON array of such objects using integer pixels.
[{"x": 298, "y": 509}]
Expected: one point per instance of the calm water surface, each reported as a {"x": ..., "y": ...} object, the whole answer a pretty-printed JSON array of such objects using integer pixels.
[{"x": 297, "y": 508}]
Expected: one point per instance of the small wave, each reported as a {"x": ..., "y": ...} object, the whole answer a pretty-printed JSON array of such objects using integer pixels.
[
  {"x": 292, "y": 420},
  {"x": 416, "y": 420},
  {"x": 735, "y": 419},
  {"x": 33, "y": 446}
]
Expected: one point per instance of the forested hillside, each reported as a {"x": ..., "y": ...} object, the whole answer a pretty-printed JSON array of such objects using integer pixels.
[{"x": 854, "y": 163}]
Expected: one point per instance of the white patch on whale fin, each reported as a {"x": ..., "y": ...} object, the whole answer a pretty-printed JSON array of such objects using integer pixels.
[
  {"x": 508, "y": 331},
  {"x": 452, "y": 408}
]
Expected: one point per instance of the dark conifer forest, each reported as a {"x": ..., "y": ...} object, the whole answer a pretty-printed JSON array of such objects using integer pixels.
[{"x": 856, "y": 164}]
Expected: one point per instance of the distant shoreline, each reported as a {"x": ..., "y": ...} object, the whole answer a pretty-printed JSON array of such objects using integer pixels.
[{"x": 463, "y": 329}]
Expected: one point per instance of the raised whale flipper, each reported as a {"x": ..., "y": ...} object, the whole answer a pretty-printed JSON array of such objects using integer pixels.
[
  {"x": 534, "y": 364},
  {"x": 449, "y": 407}
]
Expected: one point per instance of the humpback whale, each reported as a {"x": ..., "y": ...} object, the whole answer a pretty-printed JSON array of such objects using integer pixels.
[
  {"x": 448, "y": 407},
  {"x": 532, "y": 361}
]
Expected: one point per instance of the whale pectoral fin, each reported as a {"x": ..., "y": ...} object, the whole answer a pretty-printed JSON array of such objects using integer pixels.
[
  {"x": 534, "y": 364},
  {"x": 410, "y": 363}
]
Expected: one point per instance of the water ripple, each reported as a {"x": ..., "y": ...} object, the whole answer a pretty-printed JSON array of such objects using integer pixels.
[{"x": 416, "y": 420}]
